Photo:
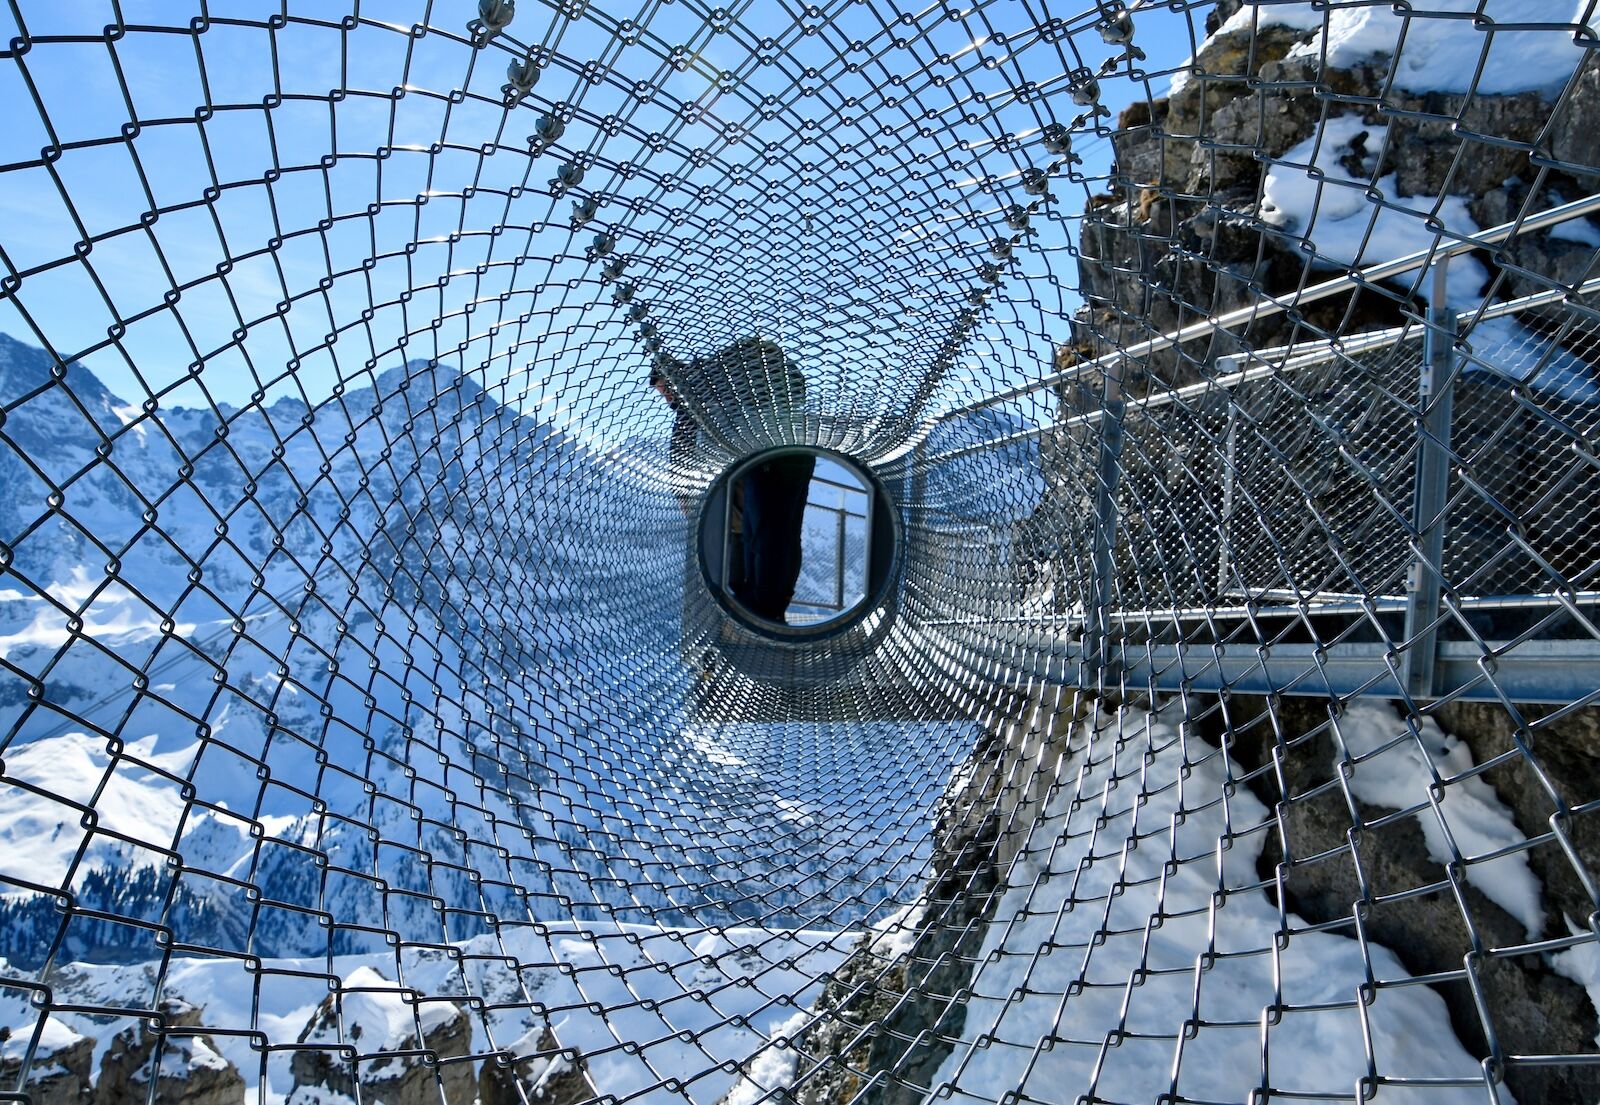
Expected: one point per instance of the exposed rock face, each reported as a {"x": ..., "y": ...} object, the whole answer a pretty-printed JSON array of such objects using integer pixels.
[
  {"x": 1567, "y": 751},
  {"x": 1575, "y": 138},
  {"x": 1153, "y": 258},
  {"x": 59, "y": 1077},
  {"x": 883, "y": 1013},
  {"x": 186, "y": 1067},
  {"x": 393, "y": 1076},
  {"x": 1149, "y": 254},
  {"x": 541, "y": 1071},
  {"x": 1533, "y": 1010}
]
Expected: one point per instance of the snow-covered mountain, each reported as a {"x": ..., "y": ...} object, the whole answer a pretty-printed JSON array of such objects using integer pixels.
[
  {"x": 595, "y": 985},
  {"x": 288, "y": 679}
]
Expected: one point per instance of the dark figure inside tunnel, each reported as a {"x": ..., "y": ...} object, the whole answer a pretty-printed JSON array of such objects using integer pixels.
[{"x": 773, "y": 496}]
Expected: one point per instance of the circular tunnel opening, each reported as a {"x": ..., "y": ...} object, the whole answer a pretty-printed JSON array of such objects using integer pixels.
[{"x": 798, "y": 543}]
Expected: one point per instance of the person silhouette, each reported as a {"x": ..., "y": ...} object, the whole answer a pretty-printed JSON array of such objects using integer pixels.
[{"x": 773, "y": 495}]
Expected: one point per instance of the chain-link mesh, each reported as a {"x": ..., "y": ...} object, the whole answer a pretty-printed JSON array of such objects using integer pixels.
[{"x": 1220, "y": 723}]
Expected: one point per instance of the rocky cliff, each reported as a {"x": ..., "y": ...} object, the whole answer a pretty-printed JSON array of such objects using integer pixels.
[
  {"x": 182, "y": 1062},
  {"x": 357, "y": 1048},
  {"x": 59, "y": 1074},
  {"x": 167, "y": 1059},
  {"x": 1349, "y": 886},
  {"x": 1438, "y": 922},
  {"x": 1186, "y": 227}
]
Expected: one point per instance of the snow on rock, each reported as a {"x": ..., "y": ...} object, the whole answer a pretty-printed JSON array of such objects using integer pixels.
[
  {"x": 1581, "y": 963},
  {"x": 613, "y": 967},
  {"x": 1311, "y": 191},
  {"x": 539, "y": 1071},
  {"x": 1100, "y": 933},
  {"x": 53, "y": 1037},
  {"x": 896, "y": 934},
  {"x": 1444, "y": 54},
  {"x": 60, "y": 1077},
  {"x": 1400, "y": 776},
  {"x": 382, "y": 1022},
  {"x": 772, "y": 1068},
  {"x": 186, "y": 1066},
  {"x": 110, "y": 614},
  {"x": 1299, "y": 17},
  {"x": 190, "y": 1054},
  {"x": 1432, "y": 54},
  {"x": 59, "y": 1073},
  {"x": 376, "y": 1014},
  {"x": 1582, "y": 231},
  {"x": 20, "y": 1022},
  {"x": 1246, "y": 22}
]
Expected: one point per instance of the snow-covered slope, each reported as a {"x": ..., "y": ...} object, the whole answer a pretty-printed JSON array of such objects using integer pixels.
[
  {"x": 1138, "y": 943},
  {"x": 692, "y": 1000},
  {"x": 322, "y": 631}
]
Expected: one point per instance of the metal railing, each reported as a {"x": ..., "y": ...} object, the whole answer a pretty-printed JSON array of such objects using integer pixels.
[
  {"x": 843, "y": 590},
  {"x": 1439, "y": 566}
]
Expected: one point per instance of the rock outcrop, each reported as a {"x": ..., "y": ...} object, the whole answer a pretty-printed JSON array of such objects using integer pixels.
[
  {"x": 1181, "y": 231},
  {"x": 58, "y": 1076},
  {"x": 185, "y": 1065},
  {"x": 878, "y": 1031},
  {"x": 539, "y": 1071},
  {"x": 1532, "y": 1009},
  {"x": 367, "y": 1036}
]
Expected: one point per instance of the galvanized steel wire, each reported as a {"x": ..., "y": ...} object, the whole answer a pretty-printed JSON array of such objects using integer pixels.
[{"x": 383, "y": 540}]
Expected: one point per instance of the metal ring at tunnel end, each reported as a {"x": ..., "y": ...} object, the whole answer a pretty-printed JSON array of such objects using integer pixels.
[{"x": 884, "y": 543}]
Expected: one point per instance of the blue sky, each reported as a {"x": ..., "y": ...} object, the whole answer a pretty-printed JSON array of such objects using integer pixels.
[{"x": 563, "y": 349}]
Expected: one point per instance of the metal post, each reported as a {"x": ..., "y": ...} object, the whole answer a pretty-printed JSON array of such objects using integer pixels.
[
  {"x": 1230, "y": 453},
  {"x": 1425, "y": 580},
  {"x": 1097, "y": 623},
  {"x": 838, "y": 583}
]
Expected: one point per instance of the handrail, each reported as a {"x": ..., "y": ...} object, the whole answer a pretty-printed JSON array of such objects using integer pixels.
[
  {"x": 1269, "y": 362},
  {"x": 1267, "y": 306}
]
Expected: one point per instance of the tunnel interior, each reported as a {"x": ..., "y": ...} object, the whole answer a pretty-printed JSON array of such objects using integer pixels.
[{"x": 1187, "y": 683}]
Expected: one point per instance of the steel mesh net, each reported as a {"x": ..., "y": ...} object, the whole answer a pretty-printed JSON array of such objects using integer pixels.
[{"x": 1194, "y": 686}]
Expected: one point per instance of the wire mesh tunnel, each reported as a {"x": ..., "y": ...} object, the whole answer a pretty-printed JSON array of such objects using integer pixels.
[{"x": 1190, "y": 691}]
